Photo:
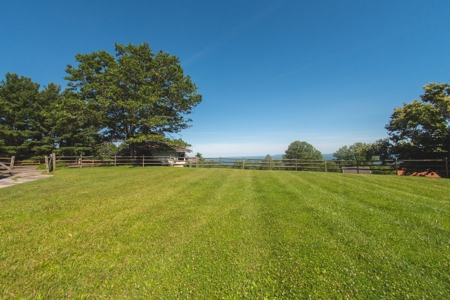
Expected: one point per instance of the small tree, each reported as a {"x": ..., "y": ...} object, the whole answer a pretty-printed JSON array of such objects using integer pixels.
[
  {"x": 269, "y": 163},
  {"x": 200, "y": 157},
  {"x": 302, "y": 150}
]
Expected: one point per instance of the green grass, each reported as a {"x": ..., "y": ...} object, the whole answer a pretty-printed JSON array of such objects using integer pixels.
[{"x": 160, "y": 232}]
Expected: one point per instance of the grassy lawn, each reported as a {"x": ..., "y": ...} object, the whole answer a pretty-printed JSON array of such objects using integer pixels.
[{"x": 160, "y": 232}]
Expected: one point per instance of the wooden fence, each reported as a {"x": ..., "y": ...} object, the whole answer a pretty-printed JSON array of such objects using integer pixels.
[
  {"x": 7, "y": 163},
  {"x": 391, "y": 166},
  {"x": 439, "y": 166},
  {"x": 12, "y": 165},
  {"x": 112, "y": 161}
]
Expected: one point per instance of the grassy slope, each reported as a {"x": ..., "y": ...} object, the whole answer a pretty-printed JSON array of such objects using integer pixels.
[{"x": 202, "y": 233}]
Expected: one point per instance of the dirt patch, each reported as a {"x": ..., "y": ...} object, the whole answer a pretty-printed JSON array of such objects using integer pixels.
[
  {"x": 21, "y": 175},
  {"x": 428, "y": 173}
]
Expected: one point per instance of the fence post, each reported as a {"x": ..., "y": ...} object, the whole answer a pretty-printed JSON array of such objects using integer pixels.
[
  {"x": 396, "y": 166},
  {"x": 295, "y": 164},
  {"x": 243, "y": 163},
  {"x": 115, "y": 160},
  {"x": 54, "y": 161},
  {"x": 143, "y": 160},
  {"x": 446, "y": 167},
  {"x": 46, "y": 164},
  {"x": 50, "y": 162},
  {"x": 11, "y": 164},
  {"x": 196, "y": 161},
  {"x": 81, "y": 160},
  {"x": 357, "y": 167},
  {"x": 270, "y": 163},
  {"x": 325, "y": 166},
  {"x": 220, "y": 162}
]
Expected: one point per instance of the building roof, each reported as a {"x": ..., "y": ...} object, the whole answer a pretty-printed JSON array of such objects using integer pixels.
[{"x": 165, "y": 147}]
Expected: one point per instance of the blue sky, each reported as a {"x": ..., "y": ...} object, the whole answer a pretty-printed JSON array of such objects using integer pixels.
[{"x": 270, "y": 72}]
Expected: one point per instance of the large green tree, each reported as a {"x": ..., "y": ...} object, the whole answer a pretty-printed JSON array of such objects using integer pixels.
[
  {"x": 421, "y": 129},
  {"x": 302, "y": 150},
  {"x": 137, "y": 95}
]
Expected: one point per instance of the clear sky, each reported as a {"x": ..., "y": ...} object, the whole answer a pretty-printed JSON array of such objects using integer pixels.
[{"x": 271, "y": 72}]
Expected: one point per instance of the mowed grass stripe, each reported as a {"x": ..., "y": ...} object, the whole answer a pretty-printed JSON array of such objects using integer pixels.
[
  {"x": 95, "y": 227},
  {"x": 368, "y": 232},
  {"x": 213, "y": 233}
]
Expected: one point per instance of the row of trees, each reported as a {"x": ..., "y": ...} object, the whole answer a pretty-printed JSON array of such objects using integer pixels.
[{"x": 134, "y": 99}]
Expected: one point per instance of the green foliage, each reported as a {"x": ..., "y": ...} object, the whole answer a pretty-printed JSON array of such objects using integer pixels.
[
  {"x": 35, "y": 123},
  {"x": 74, "y": 125},
  {"x": 302, "y": 150},
  {"x": 333, "y": 167},
  {"x": 147, "y": 147},
  {"x": 200, "y": 158},
  {"x": 421, "y": 129},
  {"x": 137, "y": 95},
  {"x": 383, "y": 149},
  {"x": 106, "y": 149},
  {"x": 20, "y": 109},
  {"x": 267, "y": 163},
  {"x": 224, "y": 233},
  {"x": 237, "y": 164},
  {"x": 357, "y": 151}
]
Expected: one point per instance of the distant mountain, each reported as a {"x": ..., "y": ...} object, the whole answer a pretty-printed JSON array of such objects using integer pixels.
[
  {"x": 275, "y": 156},
  {"x": 328, "y": 156}
]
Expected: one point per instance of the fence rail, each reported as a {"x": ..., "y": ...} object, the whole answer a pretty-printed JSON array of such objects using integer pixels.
[
  {"x": 7, "y": 163},
  {"x": 391, "y": 166}
]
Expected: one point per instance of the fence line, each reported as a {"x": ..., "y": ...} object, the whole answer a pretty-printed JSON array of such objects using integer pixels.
[{"x": 389, "y": 166}]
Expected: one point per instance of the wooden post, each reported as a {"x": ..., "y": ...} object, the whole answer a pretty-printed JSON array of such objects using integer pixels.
[
  {"x": 143, "y": 160},
  {"x": 396, "y": 166},
  {"x": 115, "y": 160},
  {"x": 11, "y": 164},
  {"x": 54, "y": 161},
  {"x": 243, "y": 164},
  {"x": 46, "y": 164},
  {"x": 50, "y": 162},
  {"x": 446, "y": 167},
  {"x": 357, "y": 167},
  {"x": 325, "y": 166},
  {"x": 296, "y": 164},
  {"x": 220, "y": 162},
  {"x": 81, "y": 160},
  {"x": 270, "y": 163}
]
